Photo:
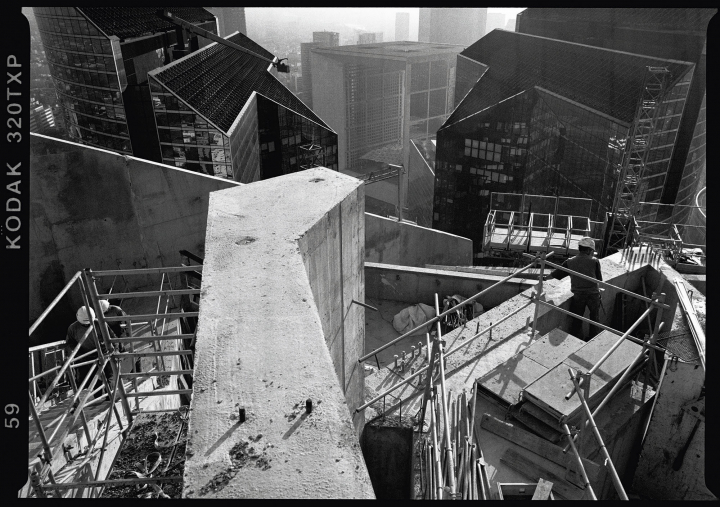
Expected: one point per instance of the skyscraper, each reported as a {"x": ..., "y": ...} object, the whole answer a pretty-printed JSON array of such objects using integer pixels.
[
  {"x": 229, "y": 20},
  {"x": 99, "y": 58},
  {"x": 547, "y": 117},
  {"x": 460, "y": 26},
  {"x": 370, "y": 38},
  {"x": 495, "y": 20},
  {"x": 221, "y": 111},
  {"x": 679, "y": 34},
  {"x": 402, "y": 26},
  {"x": 320, "y": 39},
  {"x": 379, "y": 97},
  {"x": 327, "y": 39}
]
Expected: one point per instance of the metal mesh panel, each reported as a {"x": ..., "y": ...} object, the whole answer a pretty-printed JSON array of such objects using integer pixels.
[{"x": 680, "y": 344}]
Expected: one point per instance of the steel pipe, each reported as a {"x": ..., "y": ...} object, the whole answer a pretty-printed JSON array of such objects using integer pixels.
[
  {"x": 579, "y": 462},
  {"x": 601, "y": 326},
  {"x": 64, "y": 368},
  {"x": 151, "y": 316},
  {"x": 145, "y": 271},
  {"x": 611, "y": 467},
  {"x": 52, "y": 304},
  {"x": 149, "y": 293},
  {"x": 605, "y": 284},
  {"x": 438, "y": 317}
]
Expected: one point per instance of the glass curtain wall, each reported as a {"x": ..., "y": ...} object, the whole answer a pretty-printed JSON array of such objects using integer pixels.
[
  {"x": 374, "y": 108},
  {"x": 572, "y": 152},
  {"x": 83, "y": 70},
  {"x": 187, "y": 139},
  {"x": 482, "y": 154}
]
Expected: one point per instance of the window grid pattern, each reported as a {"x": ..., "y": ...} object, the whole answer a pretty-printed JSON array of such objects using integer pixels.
[
  {"x": 83, "y": 70},
  {"x": 475, "y": 158},
  {"x": 373, "y": 108},
  {"x": 187, "y": 140}
]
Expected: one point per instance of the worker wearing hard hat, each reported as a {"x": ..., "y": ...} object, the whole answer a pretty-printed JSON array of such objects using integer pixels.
[
  {"x": 585, "y": 292},
  {"x": 113, "y": 311},
  {"x": 75, "y": 332}
]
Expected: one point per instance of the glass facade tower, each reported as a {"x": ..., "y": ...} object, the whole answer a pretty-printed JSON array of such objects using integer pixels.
[{"x": 547, "y": 117}]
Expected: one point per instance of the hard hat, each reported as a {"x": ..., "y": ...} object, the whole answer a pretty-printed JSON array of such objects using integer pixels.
[
  {"x": 587, "y": 242},
  {"x": 104, "y": 305},
  {"x": 82, "y": 315}
]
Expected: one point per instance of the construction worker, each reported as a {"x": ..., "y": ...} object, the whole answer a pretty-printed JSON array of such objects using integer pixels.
[
  {"x": 585, "y": 292},
  {"x": 113, "y": 311},
  {"x": 75, "y": 332}
]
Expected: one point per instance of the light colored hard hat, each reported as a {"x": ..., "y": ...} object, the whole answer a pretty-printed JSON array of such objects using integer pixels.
[
  {"x": 104, "y": 305},
  {"x": 82, "y": 316},
  {"x": 587, "y": 242}
]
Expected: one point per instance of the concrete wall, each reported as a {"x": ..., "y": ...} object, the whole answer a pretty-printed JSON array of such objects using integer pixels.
[
  {"x": 392, "y": 242},
  {"x": 388, "y": 452},
  {"x": 419, "y": 285},
  {"x": 262, "y": 343},
  {"x": 94, "y": 208},
  {"x": 332, "y": 251}
]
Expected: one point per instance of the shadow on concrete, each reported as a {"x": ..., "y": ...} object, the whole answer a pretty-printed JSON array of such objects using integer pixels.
[
  {"x": 295, "y": 426},
  {"x": 222, "y": 438}
]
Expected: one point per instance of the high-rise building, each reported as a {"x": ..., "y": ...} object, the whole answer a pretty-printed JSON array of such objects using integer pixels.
[
  {"x": 221, "y": 111},
  {"x": 41, "y": 118},
  {"x": 495, "y": 20},
  {"x": 510, "y": 26},
  {"x": 461, "y": 26},
  {"x": 327, "y": 39},
  {"x": 402, "y": 26},
  {"x": 370, "y": 37},
  {"x": 678, "y": 34},
  {"x": 320, "y": 39},
  {"x": 99, "y": 58},
  {"x": 547, "y": 117},
  {"x": 229, "y": 20},
  {"x": 379, "y": 97}
]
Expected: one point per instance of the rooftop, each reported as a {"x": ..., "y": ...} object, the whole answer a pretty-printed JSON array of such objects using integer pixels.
[
  {"x": 395, "y": 50},
  {"x": 129, "y": 22},
  {"x": 609, "y": 81},
  {"x": 655, "y": 19},
  {"x": 218, "y": 80}
]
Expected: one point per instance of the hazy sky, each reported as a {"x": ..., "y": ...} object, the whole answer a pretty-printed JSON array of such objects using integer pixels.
[{"x": 371, "y": 19}]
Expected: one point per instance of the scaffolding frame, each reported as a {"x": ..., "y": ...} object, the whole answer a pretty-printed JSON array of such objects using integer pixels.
[
  {"x": 632, "y": 184},
  {"x": 42, "y": 481},
  {"x": 460, "y": 465}
]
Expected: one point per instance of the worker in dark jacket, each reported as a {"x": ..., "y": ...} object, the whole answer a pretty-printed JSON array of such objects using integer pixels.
[
  {"x": 75, "y": 332},
  {"x": 585, "y": 292},
  {"x": 118, "y": 328}
]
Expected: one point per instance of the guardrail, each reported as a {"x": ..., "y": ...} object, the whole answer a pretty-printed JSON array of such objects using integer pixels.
[{"x": 103, "y": 351}]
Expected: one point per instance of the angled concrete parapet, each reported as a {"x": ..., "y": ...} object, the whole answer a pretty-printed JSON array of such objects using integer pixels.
[{"x": 277, "y": 327}]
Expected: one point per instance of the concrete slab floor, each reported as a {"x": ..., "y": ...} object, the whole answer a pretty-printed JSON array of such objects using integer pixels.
[{"x": 379, "y": 331}]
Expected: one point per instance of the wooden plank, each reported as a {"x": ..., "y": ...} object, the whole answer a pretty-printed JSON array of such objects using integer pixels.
[
  {"x": 542, "y": 492},
  {"x": 535, "y": 472},
  {"x": 536, "y": 444}
]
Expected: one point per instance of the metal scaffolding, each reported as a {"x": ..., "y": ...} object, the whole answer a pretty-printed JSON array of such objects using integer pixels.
[
  {"x": 451, "y": 451},
  {"x": 121, "y": 386}
]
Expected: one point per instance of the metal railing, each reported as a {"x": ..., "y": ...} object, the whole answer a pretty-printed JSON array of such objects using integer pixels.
[
  {"x": 103, "y": 351},
  {"x": 442, "y": 482}
]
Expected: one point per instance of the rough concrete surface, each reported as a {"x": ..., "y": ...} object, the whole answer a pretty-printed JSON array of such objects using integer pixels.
[
  {"x": 407, "y": 244},
  {"x": 620, "y": 422},
  {"x": 261, "y": 345},
  {"x": 94, "y": 208},
  {"x": 418, "y": 285}
]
